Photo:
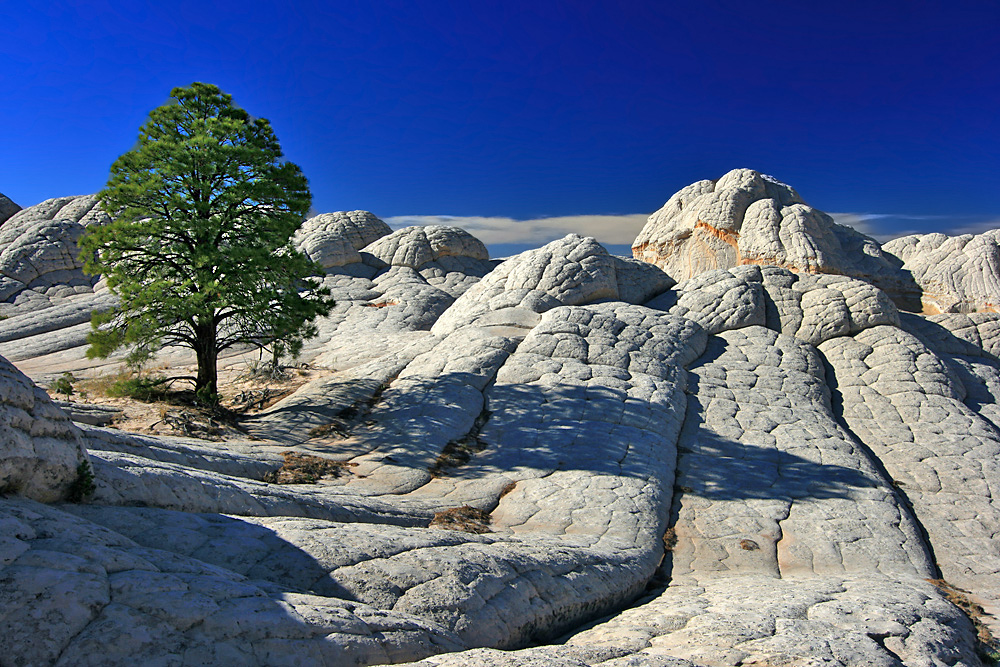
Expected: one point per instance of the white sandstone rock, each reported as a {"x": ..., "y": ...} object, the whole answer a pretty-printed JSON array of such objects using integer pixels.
[
  {"x": 749, "y": 218},
  {"x": 417, "y": 246},
  {"x": 41, "y": 452},
  {"x": 953, "y": 274},
  {"x": 334, "y": 239}
]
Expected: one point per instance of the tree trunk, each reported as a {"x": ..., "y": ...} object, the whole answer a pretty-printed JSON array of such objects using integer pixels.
[{"x": 207, "y": 384}]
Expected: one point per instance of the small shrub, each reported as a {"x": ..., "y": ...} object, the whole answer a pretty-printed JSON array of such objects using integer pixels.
[
  {"x": 146, "y": 389},
  {"x": 206, "y": 396},
  {"x": 749, "y": 545},
  {"x": 306, "y": 469},
  {"x": 83, "y": 486},
  {"x": 989, "y": 648},
  {"x": 669, "y": 539},
  {"x": 465, "y": 518},
  {"x": 64, "y": 384}
]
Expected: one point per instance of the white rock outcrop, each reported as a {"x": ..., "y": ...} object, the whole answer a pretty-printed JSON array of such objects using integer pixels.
[
  {"x": 747, "y": 217},
  {"x": 334, "y": 239},
  {"x": 39, "y": 260},
  {"x": 765, "y": 463},
  {"x": 953, "y": 274},
  {"x": 41, "y": 451}
]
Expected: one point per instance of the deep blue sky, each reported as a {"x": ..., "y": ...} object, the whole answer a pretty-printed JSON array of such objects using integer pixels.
[{"x": 528, "y": 109}]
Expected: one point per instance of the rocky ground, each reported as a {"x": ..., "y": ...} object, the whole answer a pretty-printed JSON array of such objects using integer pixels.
[{"x": 742, "y": 450}]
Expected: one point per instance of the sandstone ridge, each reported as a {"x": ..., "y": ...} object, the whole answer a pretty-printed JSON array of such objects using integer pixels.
[{"x": 742, "y": 453}]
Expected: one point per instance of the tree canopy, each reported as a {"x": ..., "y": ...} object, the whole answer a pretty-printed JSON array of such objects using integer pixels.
[{"x": 199, "y": 249}]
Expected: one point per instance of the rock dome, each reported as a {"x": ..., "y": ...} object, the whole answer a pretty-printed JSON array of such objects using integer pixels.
[{"x": 747, "y": 217}]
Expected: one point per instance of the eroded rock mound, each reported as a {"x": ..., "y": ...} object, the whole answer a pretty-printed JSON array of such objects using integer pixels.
[
  {"x": 749, "y": 218},
  {"x": 41, "y": 452},
  {"x": 334, "y": 239},
  {"x": 954, "y": 274},
  {"x": 39, "y": 259},
  {"x": 570, "y": 271},
  {"x": 399, "y": 286},
  {"x": 7, "y": 208},
  {"x": 417, "y": 246}
]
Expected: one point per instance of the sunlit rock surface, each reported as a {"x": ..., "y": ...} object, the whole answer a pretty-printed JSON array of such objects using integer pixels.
[
  {"x": 334, "y": 239},
  {"x": 747, "y": 217},
  {"x": 45, "y": 297},
  {"x": 764, "y": 463}
]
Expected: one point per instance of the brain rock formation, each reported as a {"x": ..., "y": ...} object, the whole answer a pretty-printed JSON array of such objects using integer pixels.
[
  {"x": 334, "y": 239},
  {"x": 955, "y": 274},
  {"x": 746, "y": 454},
  {"x": 749, "y": 218}
]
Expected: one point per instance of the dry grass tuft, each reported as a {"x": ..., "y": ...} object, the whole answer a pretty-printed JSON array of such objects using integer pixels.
[
  {"x": 465, "y": 518},
  {"x": 335, "y": 429},
  {"x": 989, "y": 648},
  {"x": 458, "y": 452},
  {"x": 749, "y": 545},
  {"x": 669, "y": 539},
  {"x": 306, "y": 469}
]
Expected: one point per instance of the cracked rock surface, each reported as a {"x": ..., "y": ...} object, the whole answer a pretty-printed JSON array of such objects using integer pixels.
[
  {"x": 747, "y": 217},
  {"x": 955, "y": 274},
  {"x": 565, "y": 458}
]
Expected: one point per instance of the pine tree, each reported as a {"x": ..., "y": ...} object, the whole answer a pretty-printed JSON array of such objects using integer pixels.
[{"x": 199, "y": 249}]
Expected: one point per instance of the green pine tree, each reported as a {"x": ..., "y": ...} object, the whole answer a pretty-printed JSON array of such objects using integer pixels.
[{"x": 199, "y": 250}]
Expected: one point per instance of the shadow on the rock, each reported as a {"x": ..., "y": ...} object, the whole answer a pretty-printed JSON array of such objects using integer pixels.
[
  {"x": 941, "y": 340},
  {"x": 174, "y": 593},
  {"x": 239, "y": 546},
  {"x": 721, "y": 469}
]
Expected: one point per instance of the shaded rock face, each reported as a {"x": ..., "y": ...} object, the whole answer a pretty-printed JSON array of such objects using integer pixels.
[
  {"x": 774, "y": 463},
  {"x": 749, "y": 218},
  {"x": 955, "y": 274},
  {"x": 40, "y": 449},
  {"x": 7, "y": 208}
]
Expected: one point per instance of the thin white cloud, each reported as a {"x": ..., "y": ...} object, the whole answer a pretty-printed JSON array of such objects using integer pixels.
[
  {"x": 880, "y": 225},
  {"x": 859, "y": 221},
  {"x": 608, "y": 229}
]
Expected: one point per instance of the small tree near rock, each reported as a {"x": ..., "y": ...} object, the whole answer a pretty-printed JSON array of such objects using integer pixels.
[{"x": 199, "y": 251}]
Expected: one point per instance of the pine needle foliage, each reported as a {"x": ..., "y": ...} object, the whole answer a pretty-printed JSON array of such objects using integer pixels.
[{"x": 199, "y": 249}]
